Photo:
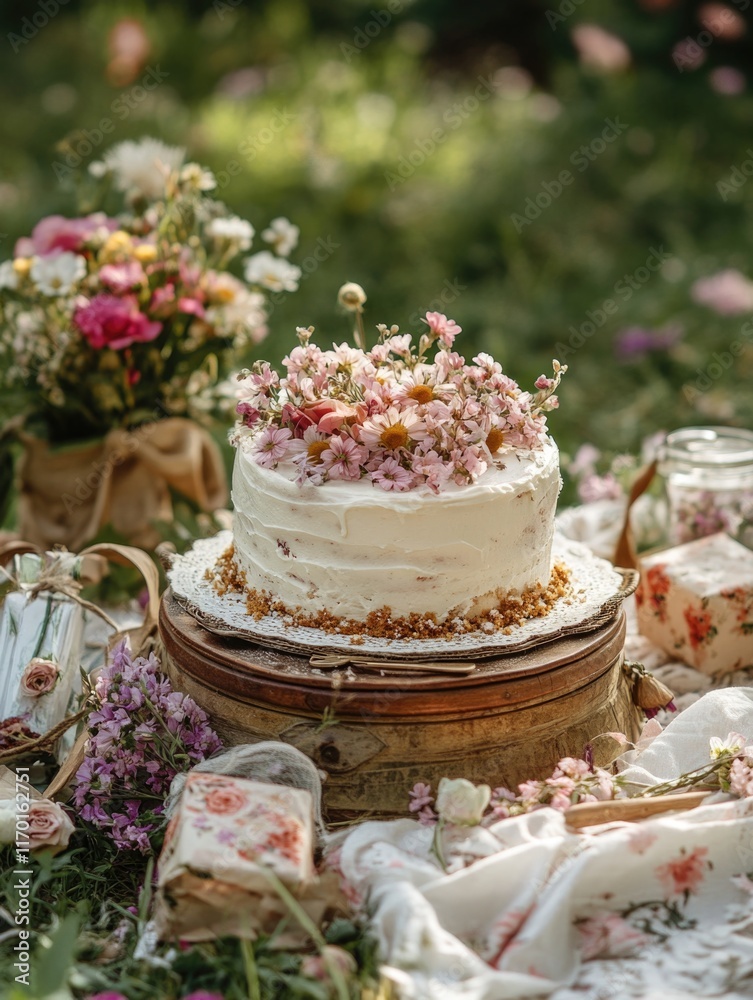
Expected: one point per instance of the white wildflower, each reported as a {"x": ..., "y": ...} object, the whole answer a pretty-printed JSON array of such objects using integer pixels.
[
  {"x": 274, "y": 273},
  {"x": 59, "y": 273},
  {"x": 8, "y": 276},
  {"x": 283, "y": 236},
  {"x": 141, "y": 168},
  {"x": 232, "y": 230}
]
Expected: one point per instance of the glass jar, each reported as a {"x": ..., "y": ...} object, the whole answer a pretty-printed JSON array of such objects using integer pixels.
[{"x": 708, "y": 473}]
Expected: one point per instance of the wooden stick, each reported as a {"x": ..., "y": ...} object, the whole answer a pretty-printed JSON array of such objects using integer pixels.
[{"x": 630, "y": 810}]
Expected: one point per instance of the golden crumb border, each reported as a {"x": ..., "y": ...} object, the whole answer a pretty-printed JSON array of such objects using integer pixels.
[{"x": 227, "y": 577}]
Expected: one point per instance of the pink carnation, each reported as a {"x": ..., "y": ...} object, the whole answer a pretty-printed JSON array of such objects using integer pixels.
[
  {"x": 444, "y": 329},
  {"x": 55, "y": 233},
  {"x": 110, "y": 321}
]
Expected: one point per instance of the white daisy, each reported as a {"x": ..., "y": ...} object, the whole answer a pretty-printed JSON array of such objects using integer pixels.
[
  {"x": 8, "y": 276},
  {"x": 59, "y": 273},
  {"x": 272, "y": 272},
  {"x": 232, "y": 230},
  {"x": 393, "y": 429},
  {"x": 283, "y": 236},
  {"x": 141, "y": 168}
]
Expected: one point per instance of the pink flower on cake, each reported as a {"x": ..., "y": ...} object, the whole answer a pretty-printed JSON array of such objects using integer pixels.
[
  {"x": 445, "y": 330},
  {"x": 343, "y": 458},
  {"x": 110, "y": 321},
  {"x": 272, "y": 446},
  {"x": 392, "y": 430},
  {"x": 392, "y": 476},
  {"x": 39, "y": 677},
  {"x": 685, "y": 874},
  {"x": 123, "y": 277},
  {"x": 249, "y": 414}
]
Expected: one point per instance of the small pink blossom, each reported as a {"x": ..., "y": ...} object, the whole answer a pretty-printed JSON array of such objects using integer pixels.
[
  {"x": 114, "y": 322},
  {"x": 685, "y": 874},
  {"x": 420, "y": 796},
  {"x": 343, "y": 458},
  {"x": 392, "y": 476},
  {"x": 608, "y": 935},
  {"x": 728, "y": 293},
  {"x": 594, "y": 487},
  {"x": 124, "y": 277},
  {"x": 444, "y": 329},
  {"x": 272, "y": 446},
  {"x": 542, "y": 382}
]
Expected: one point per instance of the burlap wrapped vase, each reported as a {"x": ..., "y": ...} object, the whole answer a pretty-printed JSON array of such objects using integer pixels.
[{"x": 69, "y": 493}]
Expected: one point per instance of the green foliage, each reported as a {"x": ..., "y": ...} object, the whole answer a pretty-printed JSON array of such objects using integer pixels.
[
  {"x": 293, "y": 122},
  {"x": 88, "y": 908}
]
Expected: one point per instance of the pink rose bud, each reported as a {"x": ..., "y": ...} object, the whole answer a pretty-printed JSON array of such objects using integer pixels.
[
  {"x": 49, "y": 826},
  {"x": 39, "y": 677}
]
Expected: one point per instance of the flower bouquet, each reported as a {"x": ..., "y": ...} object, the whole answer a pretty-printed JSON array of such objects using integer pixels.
[
  {"x": 391, "y": 413},
  {"x": 114, "y": 323}
]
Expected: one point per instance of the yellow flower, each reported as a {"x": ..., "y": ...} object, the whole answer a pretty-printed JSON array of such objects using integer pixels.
[
  {"x": 145, "y": 253},
  {"x": 116, "y": 245},
  {"x": 22, "y": 266}
]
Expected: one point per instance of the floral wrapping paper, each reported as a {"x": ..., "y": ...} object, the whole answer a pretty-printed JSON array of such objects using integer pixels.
[
  {"x": 695, "y": 601},
  {"x": 41, "y": 645},
  {"x": 225, "y": 835}
]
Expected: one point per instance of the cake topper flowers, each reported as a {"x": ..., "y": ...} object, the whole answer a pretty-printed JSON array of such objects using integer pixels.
[{"x": 389, "y": 413}]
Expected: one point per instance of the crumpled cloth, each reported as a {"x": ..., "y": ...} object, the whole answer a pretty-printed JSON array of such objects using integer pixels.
[
  {"x": 622, "y": 910},
  {"x": 67, "y": 494}
]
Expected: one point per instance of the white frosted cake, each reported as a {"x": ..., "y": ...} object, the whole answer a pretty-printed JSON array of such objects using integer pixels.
[
  {"x": 379, "y": 492},
  {"x": 349, "y": 548}
]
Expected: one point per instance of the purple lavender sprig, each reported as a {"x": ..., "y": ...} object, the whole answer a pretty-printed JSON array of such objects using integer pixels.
[{"x": 141, "y": 735}]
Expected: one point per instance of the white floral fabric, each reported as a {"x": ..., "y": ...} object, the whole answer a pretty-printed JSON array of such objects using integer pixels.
[{"x": 530, "y": 909}]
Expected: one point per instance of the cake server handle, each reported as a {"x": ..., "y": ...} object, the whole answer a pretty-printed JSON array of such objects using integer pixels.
[
  {"x": 331, "y": 661},
  {"x": 414, "y": 667}
]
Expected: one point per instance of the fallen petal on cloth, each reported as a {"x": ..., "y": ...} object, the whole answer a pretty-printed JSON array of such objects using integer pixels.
[{"x": 529, "y": 909}]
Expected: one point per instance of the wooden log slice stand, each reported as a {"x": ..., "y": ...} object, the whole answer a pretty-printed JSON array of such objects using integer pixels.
[{"x": 376, "y": 735}]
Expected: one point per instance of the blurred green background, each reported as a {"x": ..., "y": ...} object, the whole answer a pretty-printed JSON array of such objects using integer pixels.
[{"x": 408, "y": 139}]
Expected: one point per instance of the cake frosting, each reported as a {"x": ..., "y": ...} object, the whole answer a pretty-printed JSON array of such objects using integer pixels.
[{"x": 349, "y": 548}]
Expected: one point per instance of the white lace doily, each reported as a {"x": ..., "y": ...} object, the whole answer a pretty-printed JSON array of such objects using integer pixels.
[{"x": 597, "y": 592}]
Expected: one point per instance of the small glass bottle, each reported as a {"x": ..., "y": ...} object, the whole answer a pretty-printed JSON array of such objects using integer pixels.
[{"x": 708, "y": 473}]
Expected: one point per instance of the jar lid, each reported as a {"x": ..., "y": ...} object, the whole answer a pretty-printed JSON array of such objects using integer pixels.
[{"x": 709, "y": 447}]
